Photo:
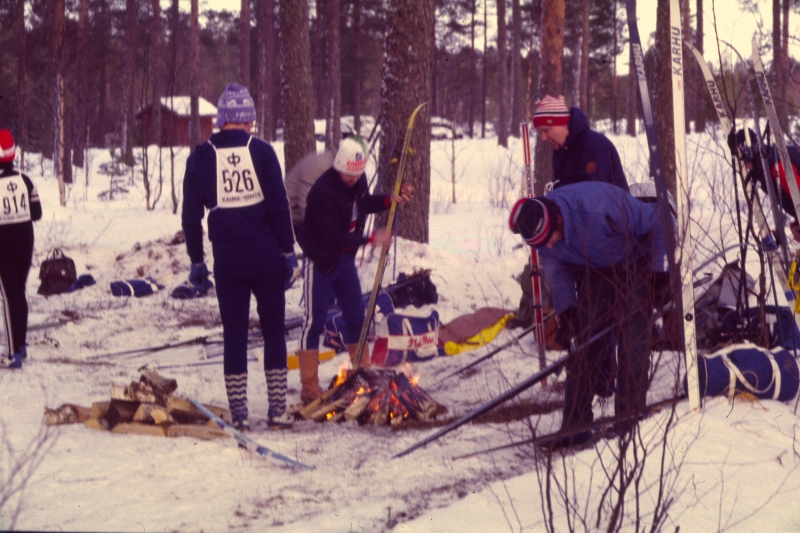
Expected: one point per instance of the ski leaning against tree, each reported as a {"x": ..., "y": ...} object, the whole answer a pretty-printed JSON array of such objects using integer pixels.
[
  {"x": 238, "y": 179},
  {"x": 333, "y": 230},
  {"x": 20, "y": 207},
  {"x": 599, "y": 248}
]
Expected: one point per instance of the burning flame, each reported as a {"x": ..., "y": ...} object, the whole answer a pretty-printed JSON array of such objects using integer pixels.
[{"x": 408, "y": 370}]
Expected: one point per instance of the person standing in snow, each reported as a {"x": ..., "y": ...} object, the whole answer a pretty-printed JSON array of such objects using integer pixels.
[
  {"x": 751, "y": 157},
  {"x": 333, "y": 229},
  {"x": 19, "y": 208},
  {"x": 599, "y": 247},
  {"x": 238, "y": 179},
  {"x": 580, "y": 154}
]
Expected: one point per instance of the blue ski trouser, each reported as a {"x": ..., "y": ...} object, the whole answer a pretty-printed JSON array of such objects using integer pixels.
[
  {"x": 343, "y": 283},
  {"x": 242, "y": 269}
]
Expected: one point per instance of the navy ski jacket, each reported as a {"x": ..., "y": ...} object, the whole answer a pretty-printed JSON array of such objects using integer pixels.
[
  {"x": 604, "y": 227},
  {"x": 587, "y": 155},
  {"x": 263, "y": 223},
  {"x": 328, "y": 232},
  {"x": 16, "y": 239}
]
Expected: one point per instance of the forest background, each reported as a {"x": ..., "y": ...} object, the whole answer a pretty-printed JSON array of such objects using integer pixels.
[{"x": 77, "y": 71}]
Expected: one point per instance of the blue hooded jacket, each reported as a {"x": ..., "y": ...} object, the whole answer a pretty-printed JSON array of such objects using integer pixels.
[
  {"x": 587, "y": 155},
  {"x": 604, "y": 227}
]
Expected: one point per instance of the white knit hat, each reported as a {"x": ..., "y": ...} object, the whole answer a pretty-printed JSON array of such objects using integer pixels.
[{"x": 351, "y": 158}]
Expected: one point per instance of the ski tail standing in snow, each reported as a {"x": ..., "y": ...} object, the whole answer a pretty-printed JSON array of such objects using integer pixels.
[
  {"x": 333, "y": 229},
  {"x": 598, "y": 246},
  {"x": 580, "y": 155},
  {"x": 19, "y": 208},
  {"x": 238, "y": 179},
  {"x": 684, "y": 248}
]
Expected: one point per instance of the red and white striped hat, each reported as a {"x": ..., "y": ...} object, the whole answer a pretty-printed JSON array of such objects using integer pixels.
[
  {"x": 534, "y": 219},
  {"x": 551, "y": 112},
  {"x": 7, "y": 147}
]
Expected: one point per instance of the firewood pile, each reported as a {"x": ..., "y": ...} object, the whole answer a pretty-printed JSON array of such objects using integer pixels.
[
  {"x": 373, "y": 396},
  {"x": 145, "y": 407}
]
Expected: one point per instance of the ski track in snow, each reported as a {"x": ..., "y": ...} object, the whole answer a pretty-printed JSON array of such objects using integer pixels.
[{"x": 738, "y": 462}]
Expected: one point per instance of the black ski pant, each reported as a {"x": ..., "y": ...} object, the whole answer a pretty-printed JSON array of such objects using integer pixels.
[
  {"x": 619, "y": 297},
  {"x": 14, "y": 267}
]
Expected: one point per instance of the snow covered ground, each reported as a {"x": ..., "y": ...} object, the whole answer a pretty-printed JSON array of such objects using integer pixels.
[{"x": 726, "y": 468}]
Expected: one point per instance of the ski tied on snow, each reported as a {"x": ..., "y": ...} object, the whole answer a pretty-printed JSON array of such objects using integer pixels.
[
  {"x": 370, "y": 311},
  {"x": 777, "y": 132},
  {"x": 764, "y": 235},
  {"x": 246, "y": 442},
  {"x": 686, "y": 301},
  {"x": 536, "y": 274}
]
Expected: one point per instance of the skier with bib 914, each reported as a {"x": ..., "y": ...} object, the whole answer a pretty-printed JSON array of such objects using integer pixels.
[
  {"x": 20, "y": 207},
  {"x": 600, "y": 248},
  {"x": 333, "y": 230},
  {"x": 238, "y": 179}
]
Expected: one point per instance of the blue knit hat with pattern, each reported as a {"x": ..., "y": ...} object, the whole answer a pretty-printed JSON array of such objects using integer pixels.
[{"x": 235, "y": 105}]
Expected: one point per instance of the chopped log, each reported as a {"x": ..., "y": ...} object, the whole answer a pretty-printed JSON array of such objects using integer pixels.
[
  {"x": 314, "y": 406},
  {"x": 100, "y": 409},
  {"x": 185, "y": 413},
  {"x": 196, "y": 432},
  {"x": 96, "y": 423},
  {"x": 162, "y": 387},
  {"x": 135, "y": 392},
  {"x": 152, "y": 413},
  {"x": 67, "y": 414},
  {"x": 137, "y": 428},
  {"x": 121, "y": 411},
  {"x": 322, "y": 413},
  {"x": 356, "y": 408}
]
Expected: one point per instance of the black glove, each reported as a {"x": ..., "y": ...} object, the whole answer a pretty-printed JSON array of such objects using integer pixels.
[
  {"x": 567, "y": 327},
  {"x": 662, "y": 289},
  {"x": 198, "y": 278}
]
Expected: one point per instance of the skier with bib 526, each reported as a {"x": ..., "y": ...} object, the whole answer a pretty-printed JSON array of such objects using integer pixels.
[
  {"x": 333, "y": 230},
  {"x": 238, "y": 179},
  {"x": 20, "y": 206}
]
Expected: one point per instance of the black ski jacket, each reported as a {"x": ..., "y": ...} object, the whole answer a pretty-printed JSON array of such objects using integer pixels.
[
  {"x": 335, "y": 218},
  {"x": 16, "y": 238}
]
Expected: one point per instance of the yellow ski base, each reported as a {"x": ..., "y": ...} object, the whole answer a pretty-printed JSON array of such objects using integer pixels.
[{"x": 293, "y": 363}]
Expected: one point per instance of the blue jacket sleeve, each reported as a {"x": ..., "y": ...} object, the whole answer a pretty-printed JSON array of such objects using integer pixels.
[
  {"x": 192, "y": 214},
  {"x": 560, "y": 281}
]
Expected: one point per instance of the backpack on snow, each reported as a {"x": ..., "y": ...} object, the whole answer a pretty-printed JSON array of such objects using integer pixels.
[{"x": 771, "y": 375}]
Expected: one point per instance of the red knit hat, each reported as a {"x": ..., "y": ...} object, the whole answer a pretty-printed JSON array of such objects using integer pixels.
[
  {"x": 551, "y": 112},
  {"x": 7, "y": 147}
]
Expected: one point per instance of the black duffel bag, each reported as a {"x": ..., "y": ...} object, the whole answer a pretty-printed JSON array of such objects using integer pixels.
[{"x": 57, "y": 273}]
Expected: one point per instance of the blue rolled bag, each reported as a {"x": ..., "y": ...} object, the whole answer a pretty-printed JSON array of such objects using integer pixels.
[{"x": 747, "y": 368}]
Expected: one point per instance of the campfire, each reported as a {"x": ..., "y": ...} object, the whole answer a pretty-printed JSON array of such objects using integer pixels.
[{"x": 373, "y": 396}]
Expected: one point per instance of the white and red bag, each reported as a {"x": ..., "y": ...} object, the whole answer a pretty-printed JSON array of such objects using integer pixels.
[{"x": 401, "y": 338}]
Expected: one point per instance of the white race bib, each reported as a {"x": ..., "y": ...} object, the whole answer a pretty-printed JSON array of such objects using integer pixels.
[
  {"x": 237, "y": 183},
  {"x": 14, "y": 200}
]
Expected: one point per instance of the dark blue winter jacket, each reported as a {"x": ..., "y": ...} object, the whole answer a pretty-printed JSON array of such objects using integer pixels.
[
  {"x": 604, "y": 227},
  {"x": 586, "y": 156},
  {"x": 266, "y": 223}
]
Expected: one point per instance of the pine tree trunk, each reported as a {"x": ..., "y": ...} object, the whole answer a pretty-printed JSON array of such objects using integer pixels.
[
  {"x": 614, "y": 114},
  {"x": 699, "y": 104},
  {"x": 100, "y": 129},
  {"x": 502, "y": 90},
  {"x": 320, "y": 65},
  {"x": 155, "y": 76},
  {"x": 334, "y": 75},
  {"x": 584, "y": 79},
  {"x": 194, "y": 76},
  {"x": 407, "y": 74},
  {"x": 265, "y": 14},
  {"x": 298, "y": 96},
  {"x": 633, "y": 94},
  {"x": 550, "y": 81},
  {"x": 244, "y": 44},
  {"x": 58, "y": 116},
  {"x": 485, "y": 69},
  {"x": 662, "y": 95},
  {"x": 472, "y": 76},
  {"x": 22, "y": 100},
  {"x": 81, "y": 105},
  {"x": 131, "y": 14},
  {"x": 517, "y": 84},
  {"x": 357, "y": 72}
]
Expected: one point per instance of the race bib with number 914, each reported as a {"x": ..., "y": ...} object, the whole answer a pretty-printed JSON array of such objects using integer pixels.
[
  {"x": 14, "y": 201},
  {"x": 237, "y": 183}
]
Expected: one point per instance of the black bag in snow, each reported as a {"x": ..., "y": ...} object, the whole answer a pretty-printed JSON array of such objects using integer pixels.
[
  {"x": 770, "y": 375},
  {"x": 416, "y": 289},
  {"x": 57, "y": 273}
]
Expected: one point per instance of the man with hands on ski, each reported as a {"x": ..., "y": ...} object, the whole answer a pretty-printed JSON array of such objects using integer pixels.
[
  {"x": 751, "y": 157},
  {"x": 333, "y": 229},
  {"x": 237, "y": 177},
  {"x": 599, "y": 247}
]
